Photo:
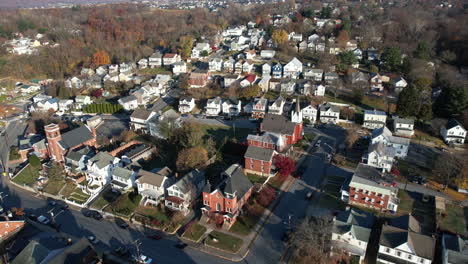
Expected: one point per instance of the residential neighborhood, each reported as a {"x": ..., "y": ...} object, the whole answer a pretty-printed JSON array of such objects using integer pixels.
[{"x": 234, "y": 131}]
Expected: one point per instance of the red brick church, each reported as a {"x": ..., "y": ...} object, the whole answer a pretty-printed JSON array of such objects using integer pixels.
[
  {"x": 58, "y": 144},
  {"x": 278, "y": 135}
]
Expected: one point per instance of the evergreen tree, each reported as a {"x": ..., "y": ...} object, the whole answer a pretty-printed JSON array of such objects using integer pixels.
[
  {"x": 406, "y": 105},
  {"x": 452, "y": 102},
  {"x": 391, "y": 58},
  {"x": 423, "y": 51}
]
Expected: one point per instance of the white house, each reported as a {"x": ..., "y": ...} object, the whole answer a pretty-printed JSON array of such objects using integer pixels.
[
  {"x": 313, "y": 74},
  {"x": 399, "y": 84},
  {"x": 229, "y": 79},
  {"x": 295, "y": 37},
  {"x": 401, "y": 241},
  {"x": 155, "y": 60},
  {"x": 100, "y": 168},
  {"x": 139, "y": 120},
  {"x": 113, "y": 68},
  {"x": 152, "y": 185},
  {"x": 128, "y": 102},
  {"x": 170, "y": 117},
  {"x": 264, "y": 83},
  {"x": 380, "y": 156},
  {"x": 376, "y": 82},
  {"x": 82, "y": 100},
  {"x": 453, "y": 133},
  {"x": 143, "y": 63},
  {"x": 293, "y": 69},
  {"x": 329, "y": 113},
  {"x": 65, "y": 105},
  {"x": 74, "y": 83},
  {"x": 288, "y": 86},
  {"x": 267, "y": 54},
  {"x": 351, "y": 232},
  {"x": 259, "y": 107},
  {"x": 170, "y": 58},
  {"x": 215, "y": 65},
  {"x": 213, "y": 106},
  {"x": 454, "y": 249},
  {"x": 123, "y": 179},
  {"x": 330, "y": 76},
  {"x": 183, "y": 193},
  {"x": 310, "y": 113},
  {"x": 179, "y": 67},
  {"x": 403, "y": 127},
  {"x": 399, "y": 144},
  {"x": 266, "y": 69},
  {"x": 199, "y": 49},
  {"x": 319, "y": 90},
  {"x": 249, "y": 80},
  {"x": 186, "y": 105},
  {"x": 276, "y": 108},
  {"x": 247, "y": 67},
  {"x": 374, "y": 119},
  {"x": 232, "y": 107}
]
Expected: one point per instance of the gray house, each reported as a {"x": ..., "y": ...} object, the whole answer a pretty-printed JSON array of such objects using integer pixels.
[{"x": 182, "y": 194}]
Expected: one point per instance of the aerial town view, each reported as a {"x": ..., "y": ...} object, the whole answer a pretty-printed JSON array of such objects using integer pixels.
[{"x": 233, "y": 131}]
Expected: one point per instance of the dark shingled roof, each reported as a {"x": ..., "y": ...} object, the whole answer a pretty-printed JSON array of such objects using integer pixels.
[
  {"x": 356, "y": 217},
  {"x": 278, "y": 124},
  {"x": 76, "y": 137},
  {"x": 258, "y": 153},
  {"x": 457, "y": 249},
  {"x": 422, "y": 245},
  {"x": 80, "y": 252},
  {"x": 453, "y": 123},
  {"x": 236, "y": 183},
  {"x": 407, "y": 222},
  {"x": 141, "y": 114}
]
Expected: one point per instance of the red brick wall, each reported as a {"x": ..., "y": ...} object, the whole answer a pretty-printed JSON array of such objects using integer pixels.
[
  {"x": 260, "y": 144},
  {"x": 256, "y": 165},
  {"x": 361, "y": 196},
  {"x": 217, "y": 198},
  {"x": 53, "y": 137}
]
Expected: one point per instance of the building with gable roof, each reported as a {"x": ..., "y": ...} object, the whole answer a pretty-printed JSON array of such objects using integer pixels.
[
  {"x": 351, "y": 231},
  {"x": 183, "y": 193},
  {"x": 399, "y": 144},
  {"x": 454, "y": 249},
  {"x": 227, "y": 197},
  {"x": 453, "y": 132}
]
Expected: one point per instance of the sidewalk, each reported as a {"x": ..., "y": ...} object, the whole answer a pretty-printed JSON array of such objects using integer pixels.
[{"x": 247, "y": 240}]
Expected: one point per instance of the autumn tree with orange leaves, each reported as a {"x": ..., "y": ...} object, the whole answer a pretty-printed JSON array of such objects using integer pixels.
[{"x": 101, "y": 58}]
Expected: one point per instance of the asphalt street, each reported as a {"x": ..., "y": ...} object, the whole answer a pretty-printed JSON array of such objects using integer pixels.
[{"x": 13, "y": 130}]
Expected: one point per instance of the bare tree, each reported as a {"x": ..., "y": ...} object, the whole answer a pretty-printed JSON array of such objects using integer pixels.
[
  {"x": 448, "y": 168},
  {"x": 311, "y": 241}
]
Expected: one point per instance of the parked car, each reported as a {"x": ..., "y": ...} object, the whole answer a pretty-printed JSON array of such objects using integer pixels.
[
  {"x": 52, "y": 203},
  {"x": 93, "y": 240},
  {"x": 154, "y": 237},
  {"x": 64, "y": 207},
  {"x": 181, "y": 245},
  {"x": 43, "y": 220},
  {"x": 96, "y": 215},
  {"x": 121, "y": 251},
  {"x": 32, "y": 217}
]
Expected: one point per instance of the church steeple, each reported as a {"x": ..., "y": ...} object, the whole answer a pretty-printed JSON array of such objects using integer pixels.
[{"x": 296, "y": 115}]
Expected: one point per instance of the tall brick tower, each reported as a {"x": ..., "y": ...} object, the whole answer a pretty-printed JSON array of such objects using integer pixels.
[{"x": 53, "y": 138}]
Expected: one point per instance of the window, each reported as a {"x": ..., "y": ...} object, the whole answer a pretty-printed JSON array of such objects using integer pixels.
[
  {"x": 410, "y": 257},
  {"x": 170, "y": 192},
  {"x": 387, "y": 250},
  {"x": 398, "y": 253},
  {"x": 218, "y": 207},
  {"x": 229, "y": 209},
  {"x": 421, "y": 260},
  {"x": 206, "y": 202}
]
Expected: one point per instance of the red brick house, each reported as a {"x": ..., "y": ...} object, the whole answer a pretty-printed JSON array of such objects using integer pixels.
[
  {"x": 198, "y": 79},
  {"x": 278, "y": 136},
  {"x": 59, "y": 144},
  {"x": 368, "y": 187},
  {"x": 227, "y": 197}
]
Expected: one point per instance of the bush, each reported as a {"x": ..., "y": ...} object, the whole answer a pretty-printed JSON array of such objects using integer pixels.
[
  {"x": 266, "y": 196},
  {"x": 285, "y": 165}
]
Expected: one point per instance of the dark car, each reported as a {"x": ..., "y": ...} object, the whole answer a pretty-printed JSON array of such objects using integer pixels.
[
  {"x": 87, "y": 213},
  {"x": 96, "y": 215},
  {"x": 122, "y": 251},
  {"x": 64, "y": 207},
  {"x": 52, "y": 203},
  {"x": 154, "y": 237},
  {"x": 32, "y": 217},
  {"x": 121, "y": 223},
  {"x": 181, "y": 245}
]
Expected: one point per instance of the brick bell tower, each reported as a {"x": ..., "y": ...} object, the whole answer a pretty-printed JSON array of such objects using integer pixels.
[{"x": 53, "y": 138}]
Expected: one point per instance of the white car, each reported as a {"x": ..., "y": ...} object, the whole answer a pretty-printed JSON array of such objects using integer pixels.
[
  {"x": 93, "y": 240},
  {"x": 43, "y": 220},
  {"x": 145, "y": 260}
]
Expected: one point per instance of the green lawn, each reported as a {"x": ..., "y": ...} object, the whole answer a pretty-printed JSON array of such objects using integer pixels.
[
  {"x": 194, "y": 232},
  {"x": 218, "y": 133},
  {"x": 454, "y": 219},
  {"x": 78, "y": 196},
  {"x": 224, "y": 241},
  {"x": 14, "y": 154},
  {"x": 27, "y": 177},
  {"x": 331, "y": 202},
  {"x": 53, "y": 187},
  {"x": 125, "y": 204},
  {"x": 104, "y": 199},
  {"x": 332, "y": 188},
  {"x": 254, "y": 178},
  {"x": 70, "y": 186},
  {"x": 244, "y": 224},
  {"x": 335, "y": 179}
]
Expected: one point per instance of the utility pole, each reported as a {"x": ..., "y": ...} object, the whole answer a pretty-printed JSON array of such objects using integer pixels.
[
  {"x": 2, "y": 196},
  {"x": 137, "y": 248}
]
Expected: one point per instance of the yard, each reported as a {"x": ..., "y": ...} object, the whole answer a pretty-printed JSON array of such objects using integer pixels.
[
  {"x": 27, "y": 177},
  {"x": 56, "y": 180},
  {"x": 104, "y": 199},
  {"x": 194, "y": 232},
  {"x": 406, "y": 202},
  {"x": 159, "y": 217},
  {"x": 223, "y": 241},
  {"x": 70, "y": 186},
  {"x": 454, "y": 219},
  {"x": 125, "y": 204},
  {"x": 78, "y": 196},
  {"x": 218, "y": 133}
]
